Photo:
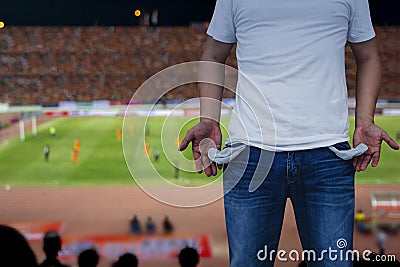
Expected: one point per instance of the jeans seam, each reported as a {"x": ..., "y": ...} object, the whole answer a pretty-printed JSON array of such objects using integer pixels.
[
  {"x": 287, "y": 168},
  {"x": 291, "y": 173}
]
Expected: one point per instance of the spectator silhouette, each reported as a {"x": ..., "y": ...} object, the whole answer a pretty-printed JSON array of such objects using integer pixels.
[
  {"x": 150, "y": 226},
  {"x": 88, "y": 258},
  {"x": 135, "y": 225},
  {"x": 126, "y": 260},
  {"x": 167, "y": 225},
  {"x": 14, "y": 249},
  {"x": 51, "y": 247},
  {"x": 189, "y": 257}
]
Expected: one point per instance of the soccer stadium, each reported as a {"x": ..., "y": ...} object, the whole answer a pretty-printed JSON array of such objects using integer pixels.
[{"x": 69, "y": 122}]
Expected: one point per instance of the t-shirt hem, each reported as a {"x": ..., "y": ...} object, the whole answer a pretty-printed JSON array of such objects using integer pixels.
[
  {"x": 362, "y": 39},
  {"x": 298, "y": 144},
  {"x": 219, "y": 38}
]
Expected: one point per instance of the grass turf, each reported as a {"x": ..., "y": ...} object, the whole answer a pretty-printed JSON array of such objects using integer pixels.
[{"x": 101, "y": 160}]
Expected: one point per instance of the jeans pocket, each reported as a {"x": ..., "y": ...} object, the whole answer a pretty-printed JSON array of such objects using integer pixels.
[
  {"x": 225, "y": 166},
  {"x": 344, "y": 151},
  {"x": 342, "y": 146}
]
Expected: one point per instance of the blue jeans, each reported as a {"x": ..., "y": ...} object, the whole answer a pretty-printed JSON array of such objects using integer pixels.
[{"x": 321, "y": 188}]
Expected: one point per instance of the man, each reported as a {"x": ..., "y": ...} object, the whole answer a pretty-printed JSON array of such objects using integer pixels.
[
  {"x": 150, "y": 226},
  {"x": 293, "y": 53},
  {"x": 126, "y": 260},
  {"x": 135, "y": 225},
  {"x": 167, "y": 225},
  {"x": 188, "y": 257},
  {"x": 51, "y": 247},
  {"x": 88, "y": 258},
  {"x": 52, "y": 131},
  {"x": 46, "y": 153},
  {"x": 77, "y": 145},
  {"x": 156, "y": 155},
  {"x": 75, "y": 155}
]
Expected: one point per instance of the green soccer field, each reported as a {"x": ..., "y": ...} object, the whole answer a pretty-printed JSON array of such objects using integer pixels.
[{"x": 101, "y": 160}]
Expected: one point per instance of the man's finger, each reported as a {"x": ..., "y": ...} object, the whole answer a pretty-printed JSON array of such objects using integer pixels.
[
  {"x": 197, "y": 162},
  {"x": 358, "y": 163},
  {"x": 355, "y": 162},
  {"x": 207, "y": 171},
  {"x": 365, "y": 162},
  {"x": 390, "y": 141},
  {"x": 213, "y": 168},
  {"x": 185, "y": 142},
  {"x": 375, "y": 159},
  {"x": 206, "y": 165}
]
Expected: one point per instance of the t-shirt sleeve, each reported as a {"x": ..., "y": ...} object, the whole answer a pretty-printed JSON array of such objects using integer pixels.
[
  {"x": 222, "y": 27},
  {"x": 360, "y": 25}
]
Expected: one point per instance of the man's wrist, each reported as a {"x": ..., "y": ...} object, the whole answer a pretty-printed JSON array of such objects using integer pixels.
[
  {"x": 209, "y": 120},
  {"x": 364, "y": 120}
]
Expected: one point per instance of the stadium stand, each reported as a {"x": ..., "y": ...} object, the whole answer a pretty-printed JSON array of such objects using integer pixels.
[{"x": 43, "y": 65}]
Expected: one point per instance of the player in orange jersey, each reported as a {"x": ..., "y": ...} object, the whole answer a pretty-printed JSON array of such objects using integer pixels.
[
  {"x": 77, "y": 145},
  {"x": 119, "y": 134},
  {"x": 147, "y": 148},
  {"x": 75, "y": 155}
]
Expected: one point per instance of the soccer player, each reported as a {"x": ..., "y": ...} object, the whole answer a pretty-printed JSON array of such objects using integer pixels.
[
  {"x": 147, "y": 148},
  {"x": 52, "y": 131},
  {"x": 119, "y": 134},
  {"x": 156, "y": 155},
  {"x": 77, "y": 145},
  {"x": 46, "y": 153},
  {"x": 292, "y": 54},
  {"x": 75, "y": 155}
]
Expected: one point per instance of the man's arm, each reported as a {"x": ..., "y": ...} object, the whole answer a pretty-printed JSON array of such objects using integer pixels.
[
  {"x": 367, "y": 90},
  {"x": 210, "y": 94},
  {"x": 207, "y": 133}
]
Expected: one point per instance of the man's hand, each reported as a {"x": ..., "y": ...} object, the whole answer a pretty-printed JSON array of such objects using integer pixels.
[
  {"x": 207, "y": 133},
  {"x": 204, "y": 135},
  {"x": 373, "y": 136}
]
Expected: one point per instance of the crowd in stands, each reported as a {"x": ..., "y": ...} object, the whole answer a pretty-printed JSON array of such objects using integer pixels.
[
  {"x": 50, "y": 64},
  {"x": 42, "y": 65},
  {"x": 388, "y": 39}
]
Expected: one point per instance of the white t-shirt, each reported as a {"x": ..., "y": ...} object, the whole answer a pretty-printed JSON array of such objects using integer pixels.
[{"x": 293, "y": 52}]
